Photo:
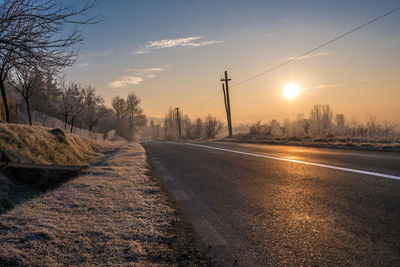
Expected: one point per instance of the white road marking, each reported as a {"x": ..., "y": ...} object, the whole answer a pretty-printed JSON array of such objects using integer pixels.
[
  {"x": 389, "y": 176},
  {"x": 208, "y": 234},
  {"x": 180, "y": 195}
]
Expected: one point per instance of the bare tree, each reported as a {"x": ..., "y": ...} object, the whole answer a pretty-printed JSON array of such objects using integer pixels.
[
  {"x": 373, "y": 126},
  {"x": 71, "y": 99},
  {"x": 171, "y": 119},
  {"x": 94, "y": 108},
  {"x": 212, "y": 126},
  {"x": 198, "y": 128},
  {"x": 255, "y": 128},
  {"x": 79, "y": 106},
  {"x": 27, "y": 81},
  {"x": 187, "y": 126},
  {"x": 304, "y": 123},
  {"x": 272, "y": 127},
  {"x": 284, "y": 127},
  {"x": 120, "y": 107},
  {"x": 388, "y": 127},
  {"x": 134, "y": 112},
  {"x": 321, "y": 118},
  {"x": 340, "y": 124},
  {"x": 6, "y": 64},
  {"x": 32, "y": 32}
]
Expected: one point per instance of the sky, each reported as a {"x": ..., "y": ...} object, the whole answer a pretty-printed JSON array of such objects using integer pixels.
[{"x": 174, "y": 53}]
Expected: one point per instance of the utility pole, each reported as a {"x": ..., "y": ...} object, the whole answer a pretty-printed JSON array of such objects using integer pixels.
[
  {"x": 227, "y": 102},
  {"x": 166, "y": 129},
  {"x": 179, "y": 123},
  {"x": 157, "y": 131},
  {"x": 226, "y": 106}
]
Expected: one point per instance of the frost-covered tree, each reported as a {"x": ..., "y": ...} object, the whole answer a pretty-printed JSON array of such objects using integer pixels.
[
  {"x": 26, "y": 81},
  {"x": 34, "y": 33},
  {"x": 212, "y": 126}
]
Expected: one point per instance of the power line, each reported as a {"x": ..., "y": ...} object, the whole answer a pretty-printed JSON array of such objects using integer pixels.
[
  {"x": 318, "y": 47},
  {"x": 302, "y": 55},
  {"x": 205, "y": 102}
]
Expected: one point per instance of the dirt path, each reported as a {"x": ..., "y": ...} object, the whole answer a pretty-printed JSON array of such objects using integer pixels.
[{"x": 116, "y": 214}]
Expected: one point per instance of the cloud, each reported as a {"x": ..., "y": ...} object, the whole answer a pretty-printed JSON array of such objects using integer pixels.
[
  {"x": 178, "y": 42},
  {"x": 85, "y": 64},
  {"x": 137, "y": 76},
  {"x": 150, "y": 70},
  {"x": 140, "y": 52},
  {"x": 171, "y": 42},
  {"x": 202, "y": 43},
  {"x": 125, "y": 81},
  {"x": 323, "y": 86}
]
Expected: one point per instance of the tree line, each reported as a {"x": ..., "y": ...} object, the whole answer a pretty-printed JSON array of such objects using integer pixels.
[
  {"x": 35, "y": 46},
  {"x": 167, "y": 128},
  {"x": 35, "y": 42},
  {"x": 77, "y": 105},
  {"x": 323, "y": 122}
]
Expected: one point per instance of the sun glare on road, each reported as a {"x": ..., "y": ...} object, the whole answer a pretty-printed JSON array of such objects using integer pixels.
[{"x": 291, "y": 91}]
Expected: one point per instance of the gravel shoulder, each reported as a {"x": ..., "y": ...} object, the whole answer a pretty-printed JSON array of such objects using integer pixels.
[{"x": 114, "y": 214}]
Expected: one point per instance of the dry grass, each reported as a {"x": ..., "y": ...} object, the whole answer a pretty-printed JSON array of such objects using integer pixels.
[
  {"x": 331, "y": 142},
  {"x": 35, "y": 144},
  {"x": 113, "y": 215}
]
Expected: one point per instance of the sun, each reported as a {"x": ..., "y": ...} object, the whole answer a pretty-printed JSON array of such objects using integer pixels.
[{"x": 291, "y": 90}]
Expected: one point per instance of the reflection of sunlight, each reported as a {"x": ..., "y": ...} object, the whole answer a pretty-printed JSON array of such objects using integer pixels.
[
  {"x": 292, "y": 157},
  {"x": 296, "y": 150}
]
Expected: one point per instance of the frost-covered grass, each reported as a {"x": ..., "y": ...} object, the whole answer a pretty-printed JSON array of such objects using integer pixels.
[
  {"x": 40, "y": 145},
  {"x": 12, "y": 193},
  {"x": 330, "y": 142},
  {"x": 115, "y": 214}
]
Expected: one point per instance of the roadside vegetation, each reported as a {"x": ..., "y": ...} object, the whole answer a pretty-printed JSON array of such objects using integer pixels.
[
  {"x": 38, "y": 39},
  {"x": 115, "y": 214},
  {"x": 167, "y": 128},
  {"x": 32, "y": 145},
  {"x": 325, "y": 128},
  {"x": 40, "y": 145}
]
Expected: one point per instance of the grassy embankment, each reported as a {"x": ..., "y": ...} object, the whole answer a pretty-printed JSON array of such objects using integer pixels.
[
  {"x": 114, "y": 214},
  {"x": 40, "y": 145}
]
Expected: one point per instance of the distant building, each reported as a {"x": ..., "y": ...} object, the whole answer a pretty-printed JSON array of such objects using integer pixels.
[{"x": 12, "y": 106}]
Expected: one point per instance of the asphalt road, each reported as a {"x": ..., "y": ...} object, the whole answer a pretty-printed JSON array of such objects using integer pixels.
[{"x": 280, "y": 205}]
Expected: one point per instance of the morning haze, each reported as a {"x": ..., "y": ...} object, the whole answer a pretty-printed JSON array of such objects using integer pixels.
[
  {"x": 191, "y": 45},
  {"x": 199, "y": 133}
]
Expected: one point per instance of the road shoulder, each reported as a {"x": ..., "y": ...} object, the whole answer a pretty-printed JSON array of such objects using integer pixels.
[{"x": 114, "y": 214}]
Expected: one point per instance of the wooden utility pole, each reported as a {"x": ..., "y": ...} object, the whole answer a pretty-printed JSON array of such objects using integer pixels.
[
  {"x": 166, "y": 129},
  {"x": 178, "y": 118},
  {"x": 157, "y": 131},
  {"x": 227, "y": 102},
  {"x": 226, "y": 107}
]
